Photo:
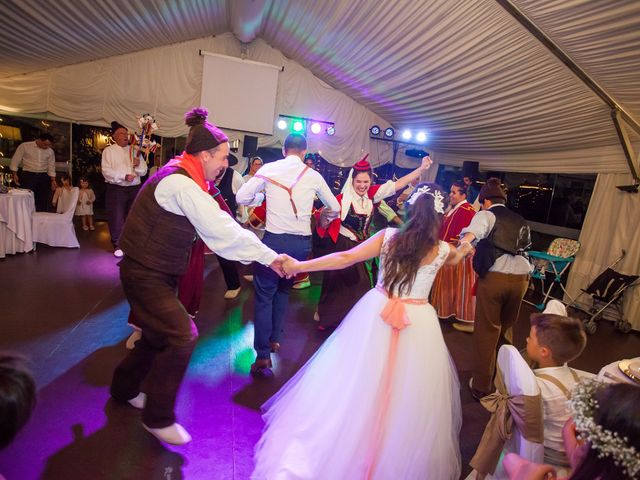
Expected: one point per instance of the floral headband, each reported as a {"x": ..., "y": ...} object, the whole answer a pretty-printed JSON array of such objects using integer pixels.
[
  {"x": 438, "y": 199},
  {"x": 603, "y": 441}
]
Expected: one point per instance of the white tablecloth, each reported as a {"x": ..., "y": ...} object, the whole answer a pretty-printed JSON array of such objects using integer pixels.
[{"x": 16, "y": 211}]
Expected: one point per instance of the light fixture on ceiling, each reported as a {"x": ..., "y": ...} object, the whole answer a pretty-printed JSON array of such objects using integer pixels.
[
  {"x": 389, "y": 132},
  {"x": 305, "y": 125},
  {"x": 375, "y": 131}
]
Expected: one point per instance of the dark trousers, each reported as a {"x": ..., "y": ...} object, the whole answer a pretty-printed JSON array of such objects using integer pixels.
[
  {"x": 40, "y": 185},
  {"x": 118, "y": 201},
  {"x": 230, "y": 272},
  {"x": 272, "y": 292},
  {"x": 160, "y": 358},
  {"x": 498, "y": 299}
]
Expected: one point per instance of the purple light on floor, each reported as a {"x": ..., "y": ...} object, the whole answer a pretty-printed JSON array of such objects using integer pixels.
[{"x": 316, "y": 128}]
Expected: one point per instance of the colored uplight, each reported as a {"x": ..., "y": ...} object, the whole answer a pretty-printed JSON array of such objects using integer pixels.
[
  {"x": 375, "y": 130},
  {"x": 282, "y": 124},
  {"x": 389, "y": 132},
  {"x": 298, "y": 126},
  {"x": 421, "y": 137},
  {"x": 406, "y": 135},
  {"x": 331, "y": 130},
  {"x": 316, "y": 128}
]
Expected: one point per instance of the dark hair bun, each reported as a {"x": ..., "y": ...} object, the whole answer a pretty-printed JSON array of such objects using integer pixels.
[{"x": 196, "y": 116}]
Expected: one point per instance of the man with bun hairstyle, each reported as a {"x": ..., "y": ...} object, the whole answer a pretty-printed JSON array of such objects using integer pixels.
[
  {"x": 173, "y": 208},
  {"x": 501, "y": 238},
  {"x": 122, "y": 167}
]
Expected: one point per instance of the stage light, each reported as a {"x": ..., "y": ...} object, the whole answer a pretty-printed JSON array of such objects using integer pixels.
[
  {"x": 389, "y": 132},
  {"x": 331, "y": 130},
  {"x": 406, "y": 134},
  {"x": 316, "y": 128},
  {"x": 375, "y": 130},
  {"x": 282, "y": 124},
  {"x": 421, "y": 137},
  {"x": 298, "y": 126}
]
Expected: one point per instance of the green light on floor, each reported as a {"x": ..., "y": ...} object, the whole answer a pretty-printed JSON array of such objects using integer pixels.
[{"x": 243, "y": 360}]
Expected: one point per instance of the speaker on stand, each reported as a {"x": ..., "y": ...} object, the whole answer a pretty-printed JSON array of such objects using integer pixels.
[{"x": 249, "y": 146}]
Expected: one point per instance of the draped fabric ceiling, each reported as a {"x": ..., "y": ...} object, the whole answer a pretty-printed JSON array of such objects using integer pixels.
[
  {"x": 467, "y": 71},
  {"x": 481, "y": 84}
]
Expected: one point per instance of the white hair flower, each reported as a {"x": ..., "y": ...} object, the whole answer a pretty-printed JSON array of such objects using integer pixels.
[{"x": 438, "y": 199}]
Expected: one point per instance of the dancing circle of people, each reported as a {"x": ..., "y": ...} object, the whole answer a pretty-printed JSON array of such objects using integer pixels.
[{"x": 364, "y": 406}]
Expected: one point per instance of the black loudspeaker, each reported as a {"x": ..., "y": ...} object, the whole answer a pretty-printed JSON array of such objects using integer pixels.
[
  {"x": 249, "y": 146},
  {"x": 470, "y": 169}
]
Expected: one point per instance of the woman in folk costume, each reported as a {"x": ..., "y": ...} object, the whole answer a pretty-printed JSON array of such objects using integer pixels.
[
  {"x": 380, "y": 398},
  {"x": 453, "y": 290},
  {"x": 341, "y": 289}
]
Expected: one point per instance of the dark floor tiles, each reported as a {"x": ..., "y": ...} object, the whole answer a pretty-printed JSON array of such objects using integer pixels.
[{"x": 64, "y": 309}]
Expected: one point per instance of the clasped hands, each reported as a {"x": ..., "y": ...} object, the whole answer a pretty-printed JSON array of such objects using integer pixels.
[{"x": 285, "y": 266}]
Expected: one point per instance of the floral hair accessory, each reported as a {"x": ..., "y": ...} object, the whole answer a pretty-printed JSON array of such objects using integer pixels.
[
  {"x": 438, "y": 199},
  {"x": 602, "y": 440}
]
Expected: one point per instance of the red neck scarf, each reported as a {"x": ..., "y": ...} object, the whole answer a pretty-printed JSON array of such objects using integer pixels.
[{"x": 193, "y": 167}]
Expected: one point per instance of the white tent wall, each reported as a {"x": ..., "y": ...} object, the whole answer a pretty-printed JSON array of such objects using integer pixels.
[
  {"x": 611, "y": 225},
  {"x": 166, "y": 82}
]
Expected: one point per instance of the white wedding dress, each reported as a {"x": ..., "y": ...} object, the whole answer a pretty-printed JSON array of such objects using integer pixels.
[{"x": 370, "y": 403}]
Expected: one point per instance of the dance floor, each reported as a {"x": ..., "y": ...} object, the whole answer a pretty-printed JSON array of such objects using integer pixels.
[{"x": 64, "y": 309}]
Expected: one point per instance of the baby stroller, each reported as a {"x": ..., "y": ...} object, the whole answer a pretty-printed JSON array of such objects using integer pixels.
[{"x": 606, "y": 291}]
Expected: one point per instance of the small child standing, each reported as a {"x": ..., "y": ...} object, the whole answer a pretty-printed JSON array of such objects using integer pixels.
[
  {"x": 84, "y": 208},
  {"x": 62, "y": 195},
  {"x": 554, "y": 340}
]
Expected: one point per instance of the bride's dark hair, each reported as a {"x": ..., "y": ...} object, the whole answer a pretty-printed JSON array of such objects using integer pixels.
[{"x": 406, "y": 249}]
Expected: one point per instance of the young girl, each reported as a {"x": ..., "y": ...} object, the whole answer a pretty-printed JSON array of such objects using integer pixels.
[
  {"x": 380, "y": 398},
  {"x": 62, "y": 195},
  {"x": 84, "y": 208}
]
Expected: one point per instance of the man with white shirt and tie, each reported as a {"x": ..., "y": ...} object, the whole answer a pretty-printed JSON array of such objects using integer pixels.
[
  {"x": 38, "y": 169},
  {"x": 290, "y": 188}
]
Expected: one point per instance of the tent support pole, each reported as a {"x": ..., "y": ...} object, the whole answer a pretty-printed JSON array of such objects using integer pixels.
[
  {"x": 621, "y": 114},
  {"x": 626, "y": 144}
]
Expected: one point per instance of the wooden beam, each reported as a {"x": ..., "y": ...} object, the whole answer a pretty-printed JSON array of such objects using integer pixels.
[{"x": 626, "y": 144}]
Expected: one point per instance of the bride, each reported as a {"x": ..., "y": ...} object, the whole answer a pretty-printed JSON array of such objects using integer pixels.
[{"x": 380, "y": 398}]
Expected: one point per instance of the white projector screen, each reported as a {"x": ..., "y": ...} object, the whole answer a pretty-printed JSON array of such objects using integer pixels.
[{"x": 239, "y": 94}]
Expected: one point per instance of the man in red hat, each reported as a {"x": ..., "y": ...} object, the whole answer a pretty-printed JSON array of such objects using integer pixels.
[{"x": 501, "y": 237}]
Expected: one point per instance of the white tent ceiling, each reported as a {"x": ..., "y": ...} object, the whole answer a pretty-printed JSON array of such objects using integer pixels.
[{"x": 464, "y": 69}]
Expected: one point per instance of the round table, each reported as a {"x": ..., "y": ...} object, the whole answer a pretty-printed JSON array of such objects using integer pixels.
[{"x": 16, "y": 211}]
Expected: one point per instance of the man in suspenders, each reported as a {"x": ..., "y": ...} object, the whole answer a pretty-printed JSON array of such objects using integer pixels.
[{"x": 290, "y": 188}]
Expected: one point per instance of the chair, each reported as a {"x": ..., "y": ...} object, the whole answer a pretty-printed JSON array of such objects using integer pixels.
[
  {"x": 518, "y": 379},
  {"x": 560, "y": 254},
  {"x": 56, "y": 229}
]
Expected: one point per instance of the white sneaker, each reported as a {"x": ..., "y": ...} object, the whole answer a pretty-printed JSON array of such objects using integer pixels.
[
  {"x": 248, "y": 278},
  {"x": 138, "y": 401},
  {"x": 174, "y": 434},
  {"x": 118, "y": 253},
  {"x": 133, "y": 338},
  {"x": 230, "y": 294}
]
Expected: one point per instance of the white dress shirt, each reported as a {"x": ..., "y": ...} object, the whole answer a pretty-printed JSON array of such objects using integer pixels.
[
  {"x": 555, "y": 403},
  {"x": 180, "y": 195},
  {"x": 34, "y": 159},
  {"x": 481, "y": 226},
  {"x": 280, "y": 215},
  {"x": 116, "y": 165},
  {"x": 364, "y": 205}
]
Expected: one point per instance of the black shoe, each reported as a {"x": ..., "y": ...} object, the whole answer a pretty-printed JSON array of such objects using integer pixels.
[{"x": 261, "y": 368}]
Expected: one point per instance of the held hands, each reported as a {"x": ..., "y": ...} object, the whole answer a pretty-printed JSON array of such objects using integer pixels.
[
  {"x": 465, "y": 248},
  {"x": 129, "y": 177},
  {"x": 291, "y": 267},
  {"x": 276, "y": 265}
]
